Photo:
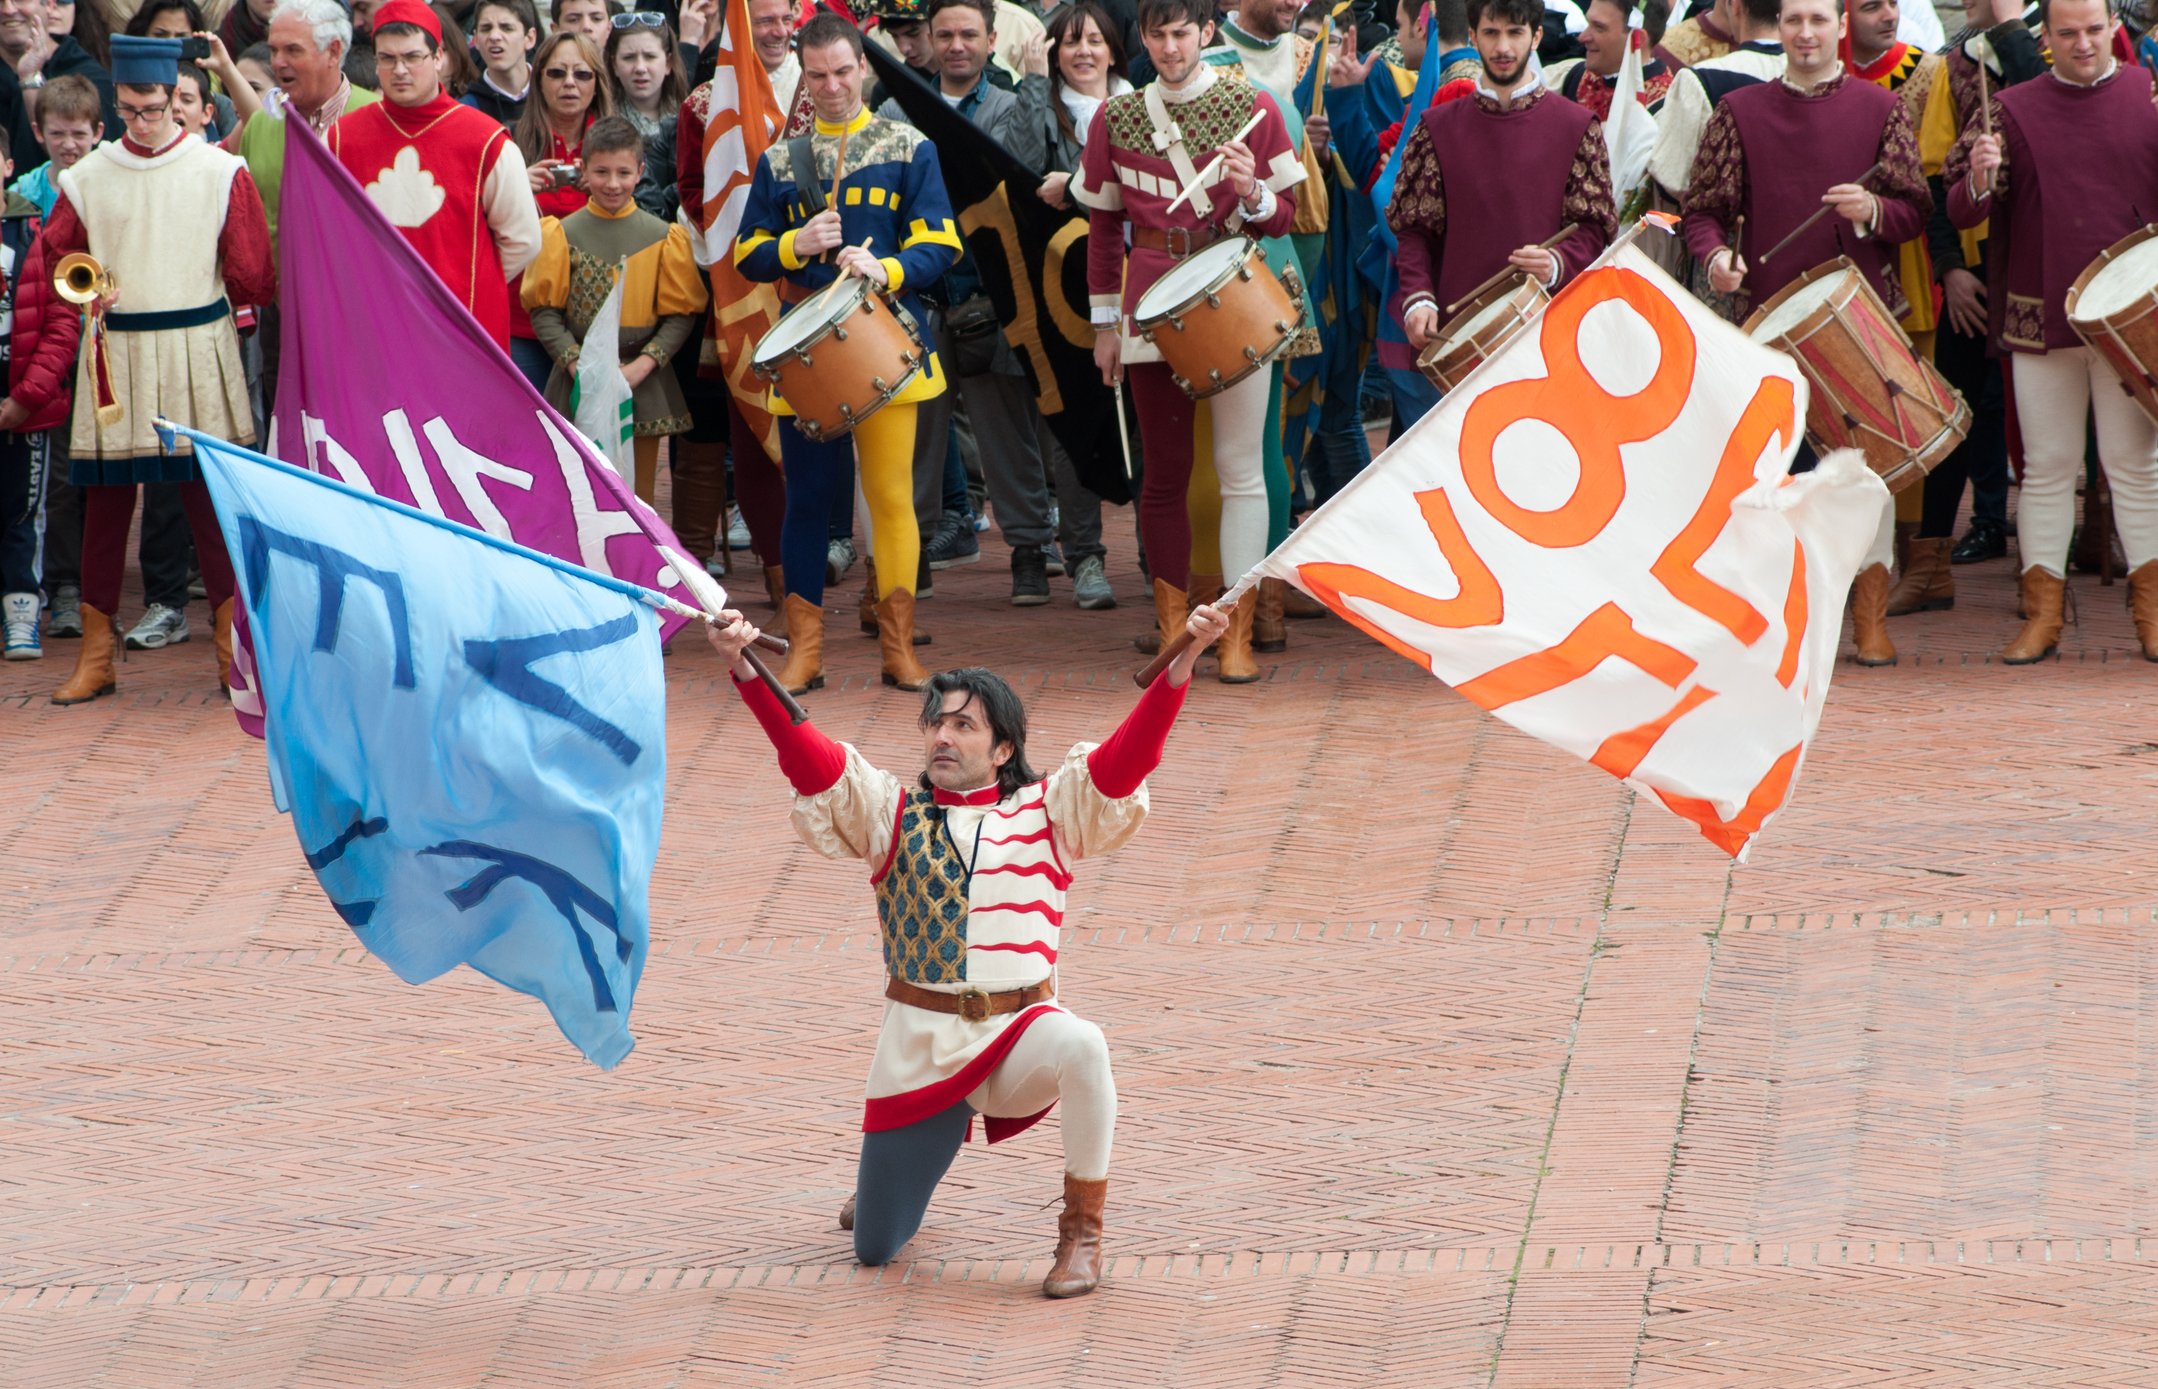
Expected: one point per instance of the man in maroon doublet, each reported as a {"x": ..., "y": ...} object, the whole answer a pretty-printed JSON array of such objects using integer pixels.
[
  {"x": 1521, "y": 163},
  {"x": 1772, "y": 148},
  {"x": 2068, "y": 167}
]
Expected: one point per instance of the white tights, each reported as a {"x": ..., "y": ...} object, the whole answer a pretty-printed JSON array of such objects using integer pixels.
[
  {"x": 1240, "y": 463},
  {"x": 2055, "y": 391},
  {"x": 1059, "y": 1059}
]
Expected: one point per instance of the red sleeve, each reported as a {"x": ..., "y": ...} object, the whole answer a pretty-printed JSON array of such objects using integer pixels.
[
  {"x": 1105, "y": 253},
  {"x": 48, "y": 329},
  {"x": 811, "y": 761},
  {"x": 689, "y": 160},
  {"x": 244, "y": 245},
  {"x": 1268, "y": 144},
  {"x": 1125, "y": 758}
]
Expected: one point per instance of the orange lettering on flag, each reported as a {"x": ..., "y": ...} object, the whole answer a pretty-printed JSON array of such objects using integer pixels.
[
  {"x": 1731, "y": 835},
  {"x": 1622, "y": 752},
  {"x": 1773, "y": 412},
  {"x": 1794, "y": 615},
  {"x": 1479, "y": 604},
  {"x": 1592, "y": 420},
  {"x": 1605, "y": 633}
]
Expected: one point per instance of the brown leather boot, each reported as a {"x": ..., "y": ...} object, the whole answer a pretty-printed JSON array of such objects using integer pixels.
[
  {"x": 1906, "y": 532},
  {"x": 846, "y": 1214},
  {"x": 93, "y": 661},
  {"x": 700, "y": 499},
  {"x": 1233, "y": 652},
  {"x": 1927, "y": 584},
  {"x": 1170, "y": 614},
  {"x": 1268, "y": 632},
  {"x": 2044, "y": 593},
  {"x": 1869, "y": 617},
  {"x": 1077, "y": 1270},
  {"x": 804, "y": 669},
  {"x": 2143, "y": 606},
  {"x": 221, "y": 638},
  {"x": 775, "y": 586},
  {"x": 865, "y": 612},
  {"x": 895, "y": 641}
]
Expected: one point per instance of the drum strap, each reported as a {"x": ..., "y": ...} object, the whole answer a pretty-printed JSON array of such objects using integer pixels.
[
  {"x": 1169, "y": 141},
  {"x": 808, "y": 186}
]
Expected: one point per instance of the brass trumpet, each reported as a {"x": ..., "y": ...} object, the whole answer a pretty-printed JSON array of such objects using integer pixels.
[{"x": 80, "y": 279}]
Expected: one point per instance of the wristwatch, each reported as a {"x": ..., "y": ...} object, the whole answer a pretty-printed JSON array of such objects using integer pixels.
[{"x": 34, "y": 82}]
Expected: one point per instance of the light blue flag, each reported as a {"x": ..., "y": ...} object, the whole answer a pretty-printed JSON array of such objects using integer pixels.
[{"x": 469, "y": 736}]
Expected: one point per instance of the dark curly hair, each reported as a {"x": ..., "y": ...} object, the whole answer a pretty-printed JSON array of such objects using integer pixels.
[{"x": 1000, "y": 704}]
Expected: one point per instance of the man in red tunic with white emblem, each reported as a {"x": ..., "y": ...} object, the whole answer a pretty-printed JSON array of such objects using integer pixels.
[
  {"x": 447, "y": 176},
  {"x": 971, "y": 869}
]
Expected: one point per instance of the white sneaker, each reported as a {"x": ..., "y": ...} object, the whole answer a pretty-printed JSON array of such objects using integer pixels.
[
  {"x": 18, "y": 622},
  {"x": 1090, "y": 585},
  {"x": 160, "y": 627},
  {"x": 738, "y": 533}
]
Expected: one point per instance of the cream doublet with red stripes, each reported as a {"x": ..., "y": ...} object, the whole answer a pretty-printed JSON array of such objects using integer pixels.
[{"x": 926, "y": 1061}]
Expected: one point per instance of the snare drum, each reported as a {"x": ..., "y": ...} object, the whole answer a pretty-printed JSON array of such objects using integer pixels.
[
  {"x": 1219, "y": 315},
  {"x": 2113, "y": 306},
  {"x": 838, "y": 357},
  {"x": 1871, "y": 392},
  {"x": 1490, "y": 321}
]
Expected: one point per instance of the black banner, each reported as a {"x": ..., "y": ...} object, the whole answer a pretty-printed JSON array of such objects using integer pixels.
[{"x": 1032, "y": 261}]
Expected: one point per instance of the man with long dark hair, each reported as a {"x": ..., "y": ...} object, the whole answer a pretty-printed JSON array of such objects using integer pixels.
[{"x": 971, "y": 870}]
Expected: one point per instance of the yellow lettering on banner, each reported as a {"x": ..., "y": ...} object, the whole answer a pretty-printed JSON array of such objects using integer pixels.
[
  {"x": 1074, "y": 323},
  {"x": 1023, "y": 332}
]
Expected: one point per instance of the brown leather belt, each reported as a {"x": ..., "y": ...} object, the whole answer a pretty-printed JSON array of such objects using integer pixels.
[
  {"x": 1177, "y": 241},
  {"x": 975, "y": 1005}
]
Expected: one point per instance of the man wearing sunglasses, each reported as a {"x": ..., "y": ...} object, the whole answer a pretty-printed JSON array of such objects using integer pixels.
[{"x": 445, "y": 175}]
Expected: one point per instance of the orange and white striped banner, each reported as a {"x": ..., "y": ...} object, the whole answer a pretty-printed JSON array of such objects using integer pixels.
[{"x": 743, "y": 119}]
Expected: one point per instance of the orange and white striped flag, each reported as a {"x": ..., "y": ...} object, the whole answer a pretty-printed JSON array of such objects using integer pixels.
[{"x": 743, "y": 119}]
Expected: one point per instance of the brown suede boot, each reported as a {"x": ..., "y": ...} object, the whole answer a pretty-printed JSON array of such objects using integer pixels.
[
  {"x": 1233, "y": 651},
  {"x": 1906, "y": 532},
  {"x": 775, "y": 586},
  {"x": 221, "y": 638},
  {"x": 1170, "y": 614},
  {"x": 700, "y": 499},
  {"x": 93, "y": 661},
  {"x": 1268, "y": 632},
  {"x": 1077, "y": 1270},
  {"x": 895, "y": 641},
  {"x": 846, "y": 1214},
  {"x": 1869, "y": 617},
  {"x": 865, "y": 611},
  {"x": 2044, "y": 594},
  {"x": 1927, "y": 585},
  {"x": 804, "y": 670},
  {"x": 2143, "y": 606}
]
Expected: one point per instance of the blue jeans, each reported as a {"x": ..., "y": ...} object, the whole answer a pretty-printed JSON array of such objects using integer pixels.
[
  {"x": 532, "y": 360},
  {"x": 23, "y": 460}
]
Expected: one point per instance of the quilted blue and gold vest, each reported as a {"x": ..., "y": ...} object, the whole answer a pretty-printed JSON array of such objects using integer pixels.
[{"x": 922, "y": 898}]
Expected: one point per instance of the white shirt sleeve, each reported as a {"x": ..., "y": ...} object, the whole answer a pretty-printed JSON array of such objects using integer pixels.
[{"x": 512, "y": 215}]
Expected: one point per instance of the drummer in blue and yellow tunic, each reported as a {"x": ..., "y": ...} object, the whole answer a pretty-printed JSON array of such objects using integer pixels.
[{"x": 891, "y": 199}]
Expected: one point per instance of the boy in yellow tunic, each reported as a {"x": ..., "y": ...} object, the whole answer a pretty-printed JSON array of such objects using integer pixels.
[{"x": 580, "y": 258}]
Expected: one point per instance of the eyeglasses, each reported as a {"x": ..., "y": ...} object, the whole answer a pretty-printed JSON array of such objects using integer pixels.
[
  {"x": 144, "y": 113},
  {"x": 562, "y": 74},
  {"x": 640, "y": 19},
  {"x": 405, "y": 62}
]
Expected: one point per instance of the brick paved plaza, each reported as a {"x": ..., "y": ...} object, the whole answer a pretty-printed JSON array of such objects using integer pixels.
[{"x": 1444, "y": 1060}]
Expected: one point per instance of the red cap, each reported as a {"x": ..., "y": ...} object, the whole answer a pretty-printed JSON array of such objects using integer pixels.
[{"x": 408, "y": 12}]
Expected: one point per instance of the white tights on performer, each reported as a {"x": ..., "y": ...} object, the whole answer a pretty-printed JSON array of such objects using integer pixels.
[
  {"x": 1061, "y": 1060},
  {"x": 1240, "y": 463},
  {"x": 2054, "y": 390}
]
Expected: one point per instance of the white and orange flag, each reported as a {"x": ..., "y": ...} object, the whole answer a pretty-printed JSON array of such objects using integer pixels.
[
  {"x": 1596, "y": 539},
  {"x": 742, "y": 120}
]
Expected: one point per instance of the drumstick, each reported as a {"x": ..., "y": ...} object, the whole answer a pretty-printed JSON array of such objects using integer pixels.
[
  {"x": 1563, "y": 232},
  {"x": 839, "y": 169},
  {"x": 1212, "y": 164},
  {"x": 1823, "y": 210},
  {"x": 1985, "y": 112},
  {"x": 1122, "y": 438}
]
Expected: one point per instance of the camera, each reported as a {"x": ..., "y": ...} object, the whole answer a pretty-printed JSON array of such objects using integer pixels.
[{"x": 194, "y": 50}]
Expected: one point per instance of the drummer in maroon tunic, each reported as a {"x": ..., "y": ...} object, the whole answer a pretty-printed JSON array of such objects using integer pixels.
[
  {"x": 1520, "y": 162},
  {"x": 2069, "y": 168},
  {"x": 1771, "y": 148}
]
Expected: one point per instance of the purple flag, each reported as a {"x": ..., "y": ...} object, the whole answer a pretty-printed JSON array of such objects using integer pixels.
[{"x": 387, "y": 383}]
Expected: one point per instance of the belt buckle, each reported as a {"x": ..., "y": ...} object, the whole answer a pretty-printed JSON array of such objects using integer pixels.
[
  {"x": 1171, "y": 236},
  {"x": 974, "y": 1003}
]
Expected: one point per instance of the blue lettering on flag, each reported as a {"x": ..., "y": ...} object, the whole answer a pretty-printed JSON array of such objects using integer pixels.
[
  {"x": 507, "y": 665},
  {"x": 334, "y": 569},
  {"x": 565, "y": 892}
]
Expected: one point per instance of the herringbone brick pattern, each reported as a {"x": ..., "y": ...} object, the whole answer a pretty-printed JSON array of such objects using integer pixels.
[{"x": 1442, "y": 1060}]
